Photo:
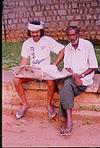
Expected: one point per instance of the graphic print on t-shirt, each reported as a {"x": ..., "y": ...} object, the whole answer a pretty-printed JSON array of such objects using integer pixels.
[{"x": 37, "y": 55}]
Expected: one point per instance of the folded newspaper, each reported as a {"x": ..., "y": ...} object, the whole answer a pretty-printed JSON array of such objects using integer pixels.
[{"x": 45, "y": 72}]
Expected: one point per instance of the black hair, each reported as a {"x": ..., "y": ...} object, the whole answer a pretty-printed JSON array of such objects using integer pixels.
[
  {"x": 73, "y": 28},
  {"x": 36, "y": 23}
]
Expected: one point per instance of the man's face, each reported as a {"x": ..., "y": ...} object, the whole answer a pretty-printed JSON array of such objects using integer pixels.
[
  {"x": 73, "y": 36},
  {"x": 35, "y": 35}
]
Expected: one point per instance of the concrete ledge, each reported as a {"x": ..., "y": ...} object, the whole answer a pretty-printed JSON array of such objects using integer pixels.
[
  {"x": 87, "y": 99},
  {"x": 41, "y": 112},
  {"x": 95, "y": 87},
  {"x": 41, "y": 85}
]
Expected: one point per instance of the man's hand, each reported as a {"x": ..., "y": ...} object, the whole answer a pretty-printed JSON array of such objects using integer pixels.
[
  {"x": 18, "y": 68},
  {"x": 77, "y": 79},
  {"x": 69, "y": 70}
]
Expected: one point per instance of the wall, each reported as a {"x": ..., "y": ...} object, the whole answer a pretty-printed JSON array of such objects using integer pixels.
[{"x": 57, "y": 15}]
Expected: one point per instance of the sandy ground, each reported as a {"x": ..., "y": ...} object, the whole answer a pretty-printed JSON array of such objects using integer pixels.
[{"x": 35, "y": 132}]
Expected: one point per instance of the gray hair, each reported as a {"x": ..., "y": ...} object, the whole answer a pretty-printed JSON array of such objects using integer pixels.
[{"x": 77, "y": 30}]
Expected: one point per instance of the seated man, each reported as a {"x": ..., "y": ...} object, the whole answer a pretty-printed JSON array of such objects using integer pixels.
[
  {"x": 36, "y": 51},
  {"x": 81, "y": 62}
]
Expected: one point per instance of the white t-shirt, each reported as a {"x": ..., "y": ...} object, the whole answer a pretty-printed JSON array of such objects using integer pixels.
[
  {"x": 39, "y": 52},
  {"x": 81, "y": 59}
]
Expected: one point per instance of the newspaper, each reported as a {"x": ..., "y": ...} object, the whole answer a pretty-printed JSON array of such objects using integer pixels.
[{"x": 45, "y": 72}]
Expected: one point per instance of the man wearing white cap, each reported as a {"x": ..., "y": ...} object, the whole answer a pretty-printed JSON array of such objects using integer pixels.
[{"x": 36, "y": 51}]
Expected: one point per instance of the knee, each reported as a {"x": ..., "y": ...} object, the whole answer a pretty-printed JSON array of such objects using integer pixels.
[
  {"x": 68, "y": 82},
  {"x": 66, "y": 90},
  {"x": 51, "y": 84},
  {"x": 16, "y": 81},
  {"x": 60, "y": 85}
]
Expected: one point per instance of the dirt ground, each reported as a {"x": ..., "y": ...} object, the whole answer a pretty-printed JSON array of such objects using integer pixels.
[{"x": 35, "y": 132}]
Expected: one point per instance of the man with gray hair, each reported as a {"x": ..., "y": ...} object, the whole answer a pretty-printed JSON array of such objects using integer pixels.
[
  {"x": 81, "y": 62},
  {"x": 36, "y": 51}
]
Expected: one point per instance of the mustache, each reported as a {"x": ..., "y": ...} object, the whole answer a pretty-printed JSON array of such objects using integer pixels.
[
  {"x": 74, "y": 41},
  {"x": 34, "y": 35}
]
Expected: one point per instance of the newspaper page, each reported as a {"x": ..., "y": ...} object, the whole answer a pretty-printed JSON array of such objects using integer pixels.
[{"x": 45, "y": 72}]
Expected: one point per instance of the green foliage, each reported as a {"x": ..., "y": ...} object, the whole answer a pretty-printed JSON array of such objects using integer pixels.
[
  {"x": 11, "y": 54},
  {"x": 90, "y": 108},
  {"x": 97, "y": 51},
  {"x": 53, "y": 57}
]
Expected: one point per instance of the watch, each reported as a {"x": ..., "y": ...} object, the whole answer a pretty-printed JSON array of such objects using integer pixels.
[{"x": 83, "y": 75}]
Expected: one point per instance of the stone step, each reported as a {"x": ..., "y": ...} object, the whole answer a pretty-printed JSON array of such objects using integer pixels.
[
  {"x": 38, "y": 85},
  {"x": 86, "y": 100},
  {"x": 41, "y": 112}
]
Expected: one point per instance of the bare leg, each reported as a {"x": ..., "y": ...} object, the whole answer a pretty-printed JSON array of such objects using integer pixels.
[
  {"x": 50, "y": 92},
  {"x": 60, "y": 85},
  {"x": 69, "y": 118},
  {"x": 19, "y": 88},
  {"x": 68, "y": 124}
]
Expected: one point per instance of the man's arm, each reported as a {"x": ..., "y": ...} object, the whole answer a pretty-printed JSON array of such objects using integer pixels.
[
  {"x": 60, "y": 57},
  {"x": 88, "y": 71},
  {"x": 24, "y": 61},
  {"x": 82, "y": 75},
  {"x": 77, "y": 77}
]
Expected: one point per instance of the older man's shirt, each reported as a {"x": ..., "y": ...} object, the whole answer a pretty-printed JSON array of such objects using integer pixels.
[{"x": 80, "y": 59}]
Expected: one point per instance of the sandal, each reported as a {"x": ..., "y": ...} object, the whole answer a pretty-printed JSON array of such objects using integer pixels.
[
  {"x": 52, "y": 112},
  {"x": 21, "y": 112},
  {"x": 66, "y": 131}
]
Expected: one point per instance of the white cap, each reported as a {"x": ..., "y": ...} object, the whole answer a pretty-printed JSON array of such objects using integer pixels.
[{"x": 35, "y": 27}]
